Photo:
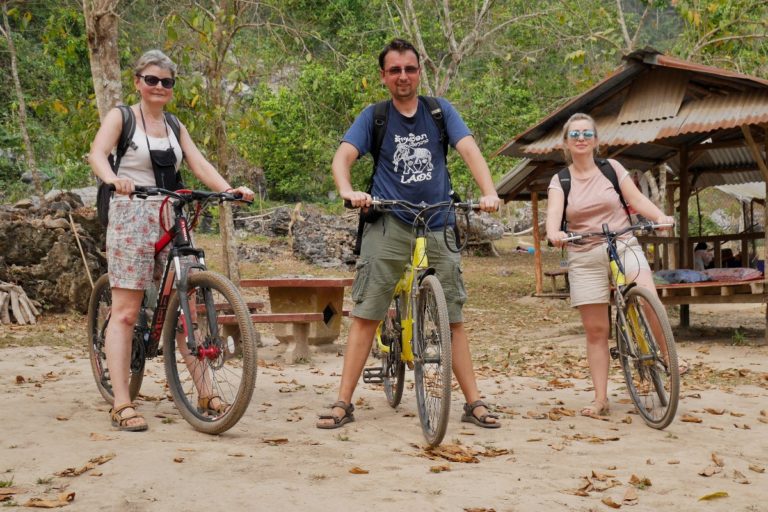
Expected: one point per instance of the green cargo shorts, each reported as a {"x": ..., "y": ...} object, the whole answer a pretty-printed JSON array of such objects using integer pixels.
[{"x": 386, "y": 250}]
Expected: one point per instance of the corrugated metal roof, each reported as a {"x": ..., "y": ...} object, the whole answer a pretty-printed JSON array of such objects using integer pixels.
[{"x": 650, "y": 108}]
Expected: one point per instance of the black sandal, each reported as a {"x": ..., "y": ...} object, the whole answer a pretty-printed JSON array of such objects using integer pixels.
[
  {"x": 338, "y": 421},
  {"x": 480, "y": 421}
]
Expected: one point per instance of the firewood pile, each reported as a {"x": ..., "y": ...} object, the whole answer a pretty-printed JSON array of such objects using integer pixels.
[{"x": 16, "y": 306}]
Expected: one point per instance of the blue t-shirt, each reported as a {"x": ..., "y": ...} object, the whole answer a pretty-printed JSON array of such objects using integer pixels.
[{"x": 411, "y": 163}]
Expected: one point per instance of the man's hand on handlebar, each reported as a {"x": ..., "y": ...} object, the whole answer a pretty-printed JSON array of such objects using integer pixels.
[
  {"x": 490, "y": 203},
  {"x": 357, "y": 199}
]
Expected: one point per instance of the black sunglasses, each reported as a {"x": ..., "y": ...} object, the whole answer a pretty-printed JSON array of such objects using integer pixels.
[{"x": 152, "y": 80}]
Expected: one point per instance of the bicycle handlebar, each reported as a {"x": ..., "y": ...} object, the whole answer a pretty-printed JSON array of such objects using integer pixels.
[
  {"x": 184, "y": 195},
  {"x": 643, "y": 226},
  {"x": 388, "y": 204}
]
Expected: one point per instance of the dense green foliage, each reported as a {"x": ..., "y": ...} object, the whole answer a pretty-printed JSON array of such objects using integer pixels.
[{"x": 298, "y": 71}]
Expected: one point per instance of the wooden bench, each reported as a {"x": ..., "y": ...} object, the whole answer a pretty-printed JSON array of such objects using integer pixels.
[
  {"x": 553, "y": 275},
  {"x": 304, "y": 310}
]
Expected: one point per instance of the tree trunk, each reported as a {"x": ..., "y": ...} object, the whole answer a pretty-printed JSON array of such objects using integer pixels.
[
  {"x": 101, "y": 27},
  {"x": 30, "y": 153}
]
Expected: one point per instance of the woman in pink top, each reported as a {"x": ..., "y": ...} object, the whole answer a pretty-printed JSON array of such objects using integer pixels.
[{"x": 592, "y": 202}]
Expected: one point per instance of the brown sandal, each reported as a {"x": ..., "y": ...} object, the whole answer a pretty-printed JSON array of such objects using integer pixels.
[
  {"x": 120, "y": 421},
  {"x": 338, "y": 421},
  {"x": 204, "y": 405},
  {"x": 480, "y": 421}
]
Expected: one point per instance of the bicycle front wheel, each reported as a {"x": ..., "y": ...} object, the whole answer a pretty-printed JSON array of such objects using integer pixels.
[
  {"x": 649, "y": 357},
  {"x": 211, "y": 382},
  {"x": 432, "y": 352},
  {"x": 99, "y": 313},
  {"x": 392, "y": 366}
]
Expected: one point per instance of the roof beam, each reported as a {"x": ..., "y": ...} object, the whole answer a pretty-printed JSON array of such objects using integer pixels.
[{"x": 755, "y": 150}]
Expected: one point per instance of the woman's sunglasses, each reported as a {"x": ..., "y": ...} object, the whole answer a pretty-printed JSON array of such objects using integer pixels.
[
  {"x": 575, "y": 134},
  {"x": 152, "y": 81}
]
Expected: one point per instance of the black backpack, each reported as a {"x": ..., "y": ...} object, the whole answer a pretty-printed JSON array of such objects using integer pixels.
[
  {"x": 380, "y": 117},
  {"x": 104, "y": 194},
  {"x": 564, "y": 175}
]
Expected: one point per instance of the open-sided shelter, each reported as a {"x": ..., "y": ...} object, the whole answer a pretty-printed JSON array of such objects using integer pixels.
[{"x": 692, "y": 126}]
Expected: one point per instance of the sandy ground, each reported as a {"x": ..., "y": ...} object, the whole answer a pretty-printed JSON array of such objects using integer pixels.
[{"x": 275, "y": 459}]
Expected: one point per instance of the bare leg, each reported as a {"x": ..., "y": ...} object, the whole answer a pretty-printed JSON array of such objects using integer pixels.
[
  {"x": 594, "y": 317},
  {"x": 462, "y": 368},
  {"x": 117, "y": 345},
  {"x": 359, "y": 342}
]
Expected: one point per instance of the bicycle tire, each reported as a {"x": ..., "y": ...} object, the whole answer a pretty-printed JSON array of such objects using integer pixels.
[
  {"x": 654, "y": 388},
  {"x": 392, "y": 365},
  {"x": 228, "y": 371},
  {"x": 99, "y": 311},
  {"x": 432, "y": 352}
]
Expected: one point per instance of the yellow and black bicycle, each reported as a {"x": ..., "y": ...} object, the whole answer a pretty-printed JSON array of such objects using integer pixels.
[
  {"x": 645, "y": 346},
  {"x": 416, "y": 332}
]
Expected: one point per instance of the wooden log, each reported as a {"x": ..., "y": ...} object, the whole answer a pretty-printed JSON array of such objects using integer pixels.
[
  {"x": 5, "y": 316},
  {"x": 16, "y": 308},
  {"x": 24, "y": 303}
]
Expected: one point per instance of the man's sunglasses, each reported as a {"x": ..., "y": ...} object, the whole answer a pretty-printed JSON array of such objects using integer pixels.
[
  {"x": 575, "y": 134},
  {"x": 152, "y": 81},
  {"x": 397, "y": 71}
]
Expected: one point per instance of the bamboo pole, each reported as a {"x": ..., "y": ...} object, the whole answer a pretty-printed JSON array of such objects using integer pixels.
[{"x": 537, "y": 243}]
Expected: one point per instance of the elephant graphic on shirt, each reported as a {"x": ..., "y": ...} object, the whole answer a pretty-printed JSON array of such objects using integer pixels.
[{"x": 414, "y": 160}]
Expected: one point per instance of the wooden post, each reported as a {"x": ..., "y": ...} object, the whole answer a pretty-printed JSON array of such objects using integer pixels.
[
  {"x": 537, "y": 243},
  {"x": 683, "y": 250}
]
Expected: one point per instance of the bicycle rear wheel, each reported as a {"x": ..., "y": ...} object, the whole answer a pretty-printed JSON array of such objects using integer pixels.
[
  {"x": 221, "y": 367},
  {"x": 432, "y": 352},
  {"x": 649, "y": 357},
  {"x": 99, "y": 312},
  {"x": 392, "y": 366}
]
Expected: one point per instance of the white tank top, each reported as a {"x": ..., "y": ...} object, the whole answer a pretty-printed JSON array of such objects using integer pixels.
[{"x": 136, "y": 164}]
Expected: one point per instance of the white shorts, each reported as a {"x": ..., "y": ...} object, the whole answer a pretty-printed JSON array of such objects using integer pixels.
[{"x": 589, "y": 272}]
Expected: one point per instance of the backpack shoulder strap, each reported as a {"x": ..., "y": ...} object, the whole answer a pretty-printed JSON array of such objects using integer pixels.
[
  {"x": 609, "y": 172},
  {"x": 380, "y": 115},
  {"x": 126, "y": 135},
  {"x": 175, "y": 125},
  {"x": 436, "y": 111},
  {"x": 564, "y": 175}
]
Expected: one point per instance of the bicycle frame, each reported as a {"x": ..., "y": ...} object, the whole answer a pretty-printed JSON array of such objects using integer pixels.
[{"x": 406, "y": 287}]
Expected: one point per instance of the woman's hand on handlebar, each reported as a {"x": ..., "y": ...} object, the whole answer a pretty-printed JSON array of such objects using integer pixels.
[
  {"x": 665, "y": 219},
  {"x": 124, "y": 186},
  {"x": 557, "y": 239},
  {"x": 357, "y": 199},
  {"x": 243, "y": 192}
]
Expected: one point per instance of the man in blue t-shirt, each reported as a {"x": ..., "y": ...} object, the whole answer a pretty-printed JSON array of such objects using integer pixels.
[{"x": 411, "y": 166}]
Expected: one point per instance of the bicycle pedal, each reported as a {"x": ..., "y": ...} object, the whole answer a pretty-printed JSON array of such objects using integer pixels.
[
  {"x": 373, "y": 375},
  {"x": 614, "y": 352}
]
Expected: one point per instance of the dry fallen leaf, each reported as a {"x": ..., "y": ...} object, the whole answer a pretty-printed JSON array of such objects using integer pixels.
[
  {"x": 20, "y": 379},
  {"x": 714, "y": 495},
  {"x": 358, "y": 471},
  {"x": 640, "y": 482},
  {"x": 630, "y": 496},
  {"x": 440, "y": 468},
  {"x": 717, "y": 460},
  {"x": 737, "y": 414},
  {"x": 673, "y": 461},
  {"x": 62, "y": 418},
  {"x": 739, "y": 477},
  {"x": 602, "y": 477},
  {"x": 62, "y": 500},
  {"x": 757, "y": 468},
  {"x": 609, "y": 501},
  {"x": 178, "y": 460},
  {"x": 690, "y": 418},
  {"x": 710, "y": 470},
  {"x": 276, "y": 441},
  {"x": 95, "y": 436},
  {"x": 627, "y": 419},
  {"x": 717, "y": 412},
  {"x": 453, "y": 453}
]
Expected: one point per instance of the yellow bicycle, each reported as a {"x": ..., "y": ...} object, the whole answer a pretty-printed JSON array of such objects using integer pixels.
[
  {"x": 416, "y": 332},
  {"x": 645, "y": 345}
]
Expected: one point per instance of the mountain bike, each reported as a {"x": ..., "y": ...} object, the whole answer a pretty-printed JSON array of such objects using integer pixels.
[
  {"x": 645, "y": 346},
  {"x": 202, "y": 358},
  {"x": 416, "y": 332}
]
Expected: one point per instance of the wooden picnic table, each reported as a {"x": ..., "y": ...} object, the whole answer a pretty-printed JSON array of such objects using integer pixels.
[{"x": 304, "y": 310}]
